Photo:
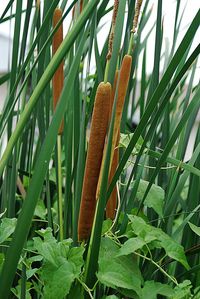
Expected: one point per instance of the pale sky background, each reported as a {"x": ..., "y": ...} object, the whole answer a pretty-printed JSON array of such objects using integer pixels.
[{"x": 169, "y": 8}]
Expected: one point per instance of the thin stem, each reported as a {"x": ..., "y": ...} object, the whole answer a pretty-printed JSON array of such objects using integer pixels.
[
  {"x": 106, "y": 71},
  {"x": 88, "y": 290},
  {"x": 60, "y": 201},
  {"x": 160, "y": 268},
  {"x": 130, "y": 47},
  {"x": 135, "y": 24}
]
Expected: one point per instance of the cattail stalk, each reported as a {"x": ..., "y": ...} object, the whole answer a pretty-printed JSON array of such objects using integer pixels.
[
  {"x": 135, "y": 24},
  {"x": 136, "y": 16},
  {"x": 111, "y": 38},
  {"x": 57, "y": 86},
  {"x": 98, "y": 132},
  {"x": 111, "y": 206},
  {"x": 58, "y": 78},
  {"x": 121, "y": 90},
  {"x": 112, "y": 201}
]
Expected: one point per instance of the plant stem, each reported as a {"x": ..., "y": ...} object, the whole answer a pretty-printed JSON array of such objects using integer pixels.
[
  {"x": 130, "y": 47},
  {"x": 160, "y": 268},
  {"x": 60, "y": 203},
  {"x": 106, "y": 71}
]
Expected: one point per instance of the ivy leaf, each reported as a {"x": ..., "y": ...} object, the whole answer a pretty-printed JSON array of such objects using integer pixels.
[
  {"x": 152, "y": 288},
  {"x": 155, "y": 197},
  {"x": 53, "y": 251},
  {"x": 194, "y": 228},
  {"x": 106, "y": 226},
  {"x": 125, "y": 140},
  {"x": 75, "y": 256},
  {"x": 62, "y": 264},
  {"x": 131, "y": 245},
  {"x": 149, "y": 233},
  {"x": 182, "y": 290},
  {"x": 17, "y": 290},
  {"x": 40, "y": 210},
  {"x": 31, "y": 272},
  {"x": 57, "y": 280},
  {"x": 112, "y": 268},
  {"x": 174, "y": 250},
  {"x": 7, "y": 227}
]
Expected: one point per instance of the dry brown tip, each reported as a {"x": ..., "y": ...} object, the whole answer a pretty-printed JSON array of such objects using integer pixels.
[
  {"x": 113, "y": 23},
  {"x": 136, "y": 16},
  {"x": 81, "y": 6},
  {"x": 74, "y": 8}
]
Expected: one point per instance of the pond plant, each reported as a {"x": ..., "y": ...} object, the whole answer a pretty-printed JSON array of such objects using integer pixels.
[{"x": 93, "y": 204}]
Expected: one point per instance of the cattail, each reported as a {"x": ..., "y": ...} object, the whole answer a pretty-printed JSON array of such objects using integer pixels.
[
  {"x": 112, "y": 201},
  {"x": 136, "y": 16},
  {"x": 98, "y": 132},
  {"x": 109, "y": 119},
  {"x": 81, "y": 8},
  {"x": 111, "y": 36},
  {"x": 121, "y": 90},
  {"x": 124, "y": 77},
  {"x": 122, "y": 87},
  {"x": 58, "y": 78}
]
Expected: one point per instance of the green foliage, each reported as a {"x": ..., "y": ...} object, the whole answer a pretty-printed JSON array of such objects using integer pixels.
[
  {"x": 7, "y": 227},
  {"x": 112, "y": 268},
  {"x": 156, "y": 238},
  {"x": 194, "y": 228},
  {"x": 151, "y": 248},
  {"x": 183, "y": 291},
  {"x": 61, "y": 266},
  {"x": 155, "y": 197},
  {"x": 152, "y": 289}
]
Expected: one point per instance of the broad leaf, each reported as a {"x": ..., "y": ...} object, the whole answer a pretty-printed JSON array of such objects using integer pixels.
[
  {"x": 57, "y": 280},
  {"x": 152, "y": 288},
  {"x": 7, "y": 227},
  {"x": 182, "y": 291},
  {"x": 155, "y": 197},
  {"x": 17, "y": 290},
  {"x": 106, "y": 226},
  {"x": 150, "y": 233},
  {"x": 112, "y": 268},
  {"x": 131, "y": 245},
  {"x": 40, "y": 210},
  {"x": 125, "y": 139},
  {"x": 195, "y": 228},
  {"x": 62, "y": 264}
]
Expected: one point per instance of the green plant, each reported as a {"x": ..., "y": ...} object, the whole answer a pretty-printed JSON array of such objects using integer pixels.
[{"x": 150, "y": 249}]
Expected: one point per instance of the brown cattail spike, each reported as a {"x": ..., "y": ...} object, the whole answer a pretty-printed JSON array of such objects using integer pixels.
[
  {"x": 98, "y": 132},
  {"x": 121, "y": 90},
  {"x": 122, "y": 87},
  {"x": 111, "y": 37},
  {"x": 136, "y": 16},
  {"x": 112, "y": 201},
  {"x": 58, "y": 78}
]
